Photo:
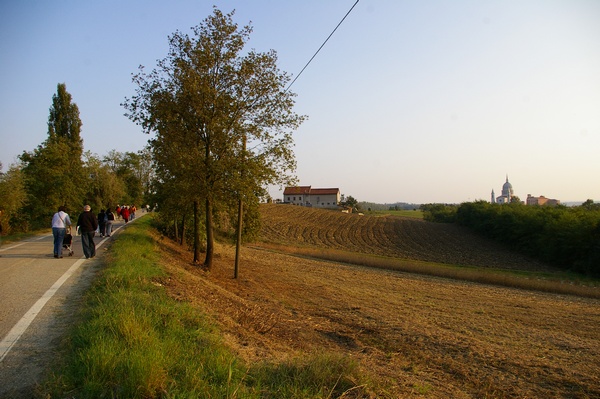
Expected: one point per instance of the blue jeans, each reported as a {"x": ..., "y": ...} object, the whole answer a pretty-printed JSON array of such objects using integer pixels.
[
  {"x": 59, "y": 235},
  {"x": 109, "y": 226},
  {"x": 88, "y": 244}
]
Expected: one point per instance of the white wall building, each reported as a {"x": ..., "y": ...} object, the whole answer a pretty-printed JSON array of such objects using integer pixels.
[{"x": 308, "y": 196}]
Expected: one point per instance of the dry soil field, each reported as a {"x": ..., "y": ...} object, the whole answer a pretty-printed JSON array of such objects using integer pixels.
[{"x": 411, "y": 336}]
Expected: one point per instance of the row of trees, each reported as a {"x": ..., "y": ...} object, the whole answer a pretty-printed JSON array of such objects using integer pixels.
[
  {"x": 568, "y": 237},
  {"x": 59, "y": 172},
  {"x": 222, "y": 122}
]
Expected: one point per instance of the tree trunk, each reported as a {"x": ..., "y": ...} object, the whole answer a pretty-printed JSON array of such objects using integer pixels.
[
  {"x": 209, "y": 235},
  {"x": 238, "y": 243},
  {"x": 182, "y": 230},
  {"x": 176, "y": 230},
  {"x": 196, "y": 232}
]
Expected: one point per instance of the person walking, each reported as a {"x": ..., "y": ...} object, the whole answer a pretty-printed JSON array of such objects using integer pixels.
[
  {"x": 102, "y": 222},
  {"x": 125, "y": 213},
  {"x": 60, "y": 222},
  {"x": 87, "y": 223},
  {"x": 110, "y": 219}
]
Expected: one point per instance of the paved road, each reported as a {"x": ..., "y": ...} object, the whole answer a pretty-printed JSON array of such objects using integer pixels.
[{"x": 38, "y": 299}]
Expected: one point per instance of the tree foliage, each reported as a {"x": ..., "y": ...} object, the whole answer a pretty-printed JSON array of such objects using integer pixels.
[
  {"x": 58, "y": 172},
  {"x": 105, "y": 189},
  {"x": 440, "y": 213},
  {"x": 350, "y": 202},
  {"x": 568, "y": 237},
  {"x": 54, "y": 173},
  {"x": 135, "y": 171},
  {"x": 222, "y": 119},
  {"x": 12, "y": 197}
]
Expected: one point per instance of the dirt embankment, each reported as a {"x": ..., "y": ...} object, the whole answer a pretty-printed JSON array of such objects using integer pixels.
[{"x": 412, "y": 336}]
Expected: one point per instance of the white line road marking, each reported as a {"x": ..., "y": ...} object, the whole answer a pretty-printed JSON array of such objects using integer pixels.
[{"x": 19, "y": 329}]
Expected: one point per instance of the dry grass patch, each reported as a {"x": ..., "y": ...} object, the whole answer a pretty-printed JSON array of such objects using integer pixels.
[{"x": 411, "y": 336}]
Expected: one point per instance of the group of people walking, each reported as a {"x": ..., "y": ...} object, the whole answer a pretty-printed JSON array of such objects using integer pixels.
[
  {"x": 126, "y": 212},
  {"x": 88, "y": 224}
]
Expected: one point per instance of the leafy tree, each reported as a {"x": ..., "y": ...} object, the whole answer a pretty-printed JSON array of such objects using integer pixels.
[
  {"x": 12, "y": 196},
  {"x": 590, "y": 205},
  {"x": 136, "y": 172},
  {"x": 566, "y": 237},
  {"x": 440, "y": 213},
  {"x": 350, "y": 201},
  {"x": 54, "y": 172},
  {"x": 105, "y": 188},
  {"x": 64, "y": 128},
  {"x": 222, "y": 120}
]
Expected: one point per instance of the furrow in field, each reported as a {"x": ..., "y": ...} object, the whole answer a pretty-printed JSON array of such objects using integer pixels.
[{"x": 388, "y": 236}]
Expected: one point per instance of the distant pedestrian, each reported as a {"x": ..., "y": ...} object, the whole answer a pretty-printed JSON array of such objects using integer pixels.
[
  {"x": 60, "y": 222},
  {"x": 110, "y": 219},
  {"x": 101, "y": 222},
  {"x": 87, "y": 225},
  {"x": 125, "y": 213}
]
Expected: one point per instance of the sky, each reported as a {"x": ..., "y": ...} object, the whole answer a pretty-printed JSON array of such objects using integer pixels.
[{"x": 408, "y": 101}]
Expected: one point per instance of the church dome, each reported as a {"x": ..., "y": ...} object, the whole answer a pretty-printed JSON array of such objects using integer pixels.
[{"x": 507, "y": 188}]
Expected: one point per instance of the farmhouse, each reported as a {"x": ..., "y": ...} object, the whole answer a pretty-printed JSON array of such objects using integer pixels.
[{"x": 308, "y": 196}]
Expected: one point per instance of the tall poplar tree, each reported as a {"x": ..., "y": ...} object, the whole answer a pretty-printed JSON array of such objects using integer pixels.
[
  {"x": 203, "y": 102},
  {"x": 54, "y": 172}
]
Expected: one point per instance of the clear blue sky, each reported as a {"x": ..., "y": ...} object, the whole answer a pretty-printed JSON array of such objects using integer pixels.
[{"x": 413, "y": 101}]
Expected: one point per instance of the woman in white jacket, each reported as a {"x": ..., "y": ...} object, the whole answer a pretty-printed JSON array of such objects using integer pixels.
[{"x": 60, "y": 222}]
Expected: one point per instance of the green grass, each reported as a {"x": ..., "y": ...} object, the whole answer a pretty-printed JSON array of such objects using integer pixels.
[
  {"x": 417, "y": 214},
  {"x": 134, "y": 341}
]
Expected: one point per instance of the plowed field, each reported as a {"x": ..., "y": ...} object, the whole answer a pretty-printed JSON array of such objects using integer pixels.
[
  {"x": 412, "y": 336},
  {"x": 400, "y": 237}
]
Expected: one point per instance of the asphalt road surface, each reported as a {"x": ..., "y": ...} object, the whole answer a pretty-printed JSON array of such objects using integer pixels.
[{"x": 39, "y": 296}]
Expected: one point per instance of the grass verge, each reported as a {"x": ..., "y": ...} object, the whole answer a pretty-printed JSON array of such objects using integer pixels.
[
  {"x": 134, "y": 341},
  {"x": 416, "y": 214},
  {"x": 558, "y": 283}
]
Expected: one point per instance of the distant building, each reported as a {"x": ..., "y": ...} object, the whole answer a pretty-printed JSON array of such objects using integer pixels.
[
  {"x": 308, "y": 196},
  {"x": 541, "y": 200},
  {"x": 507, "y": 194}
]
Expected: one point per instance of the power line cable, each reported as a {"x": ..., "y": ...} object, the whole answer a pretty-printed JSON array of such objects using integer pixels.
[{"x": 317, "y": 52}]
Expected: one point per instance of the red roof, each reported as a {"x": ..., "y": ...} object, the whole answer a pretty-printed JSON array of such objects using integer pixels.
[
  {"x": 304, "y": 190},
  {"x": 324, "y": 191},
  {"x": 296, "y": 190}
]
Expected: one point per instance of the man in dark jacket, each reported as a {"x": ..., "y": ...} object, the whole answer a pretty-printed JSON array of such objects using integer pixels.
[{"x": 87, "y": 225}]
